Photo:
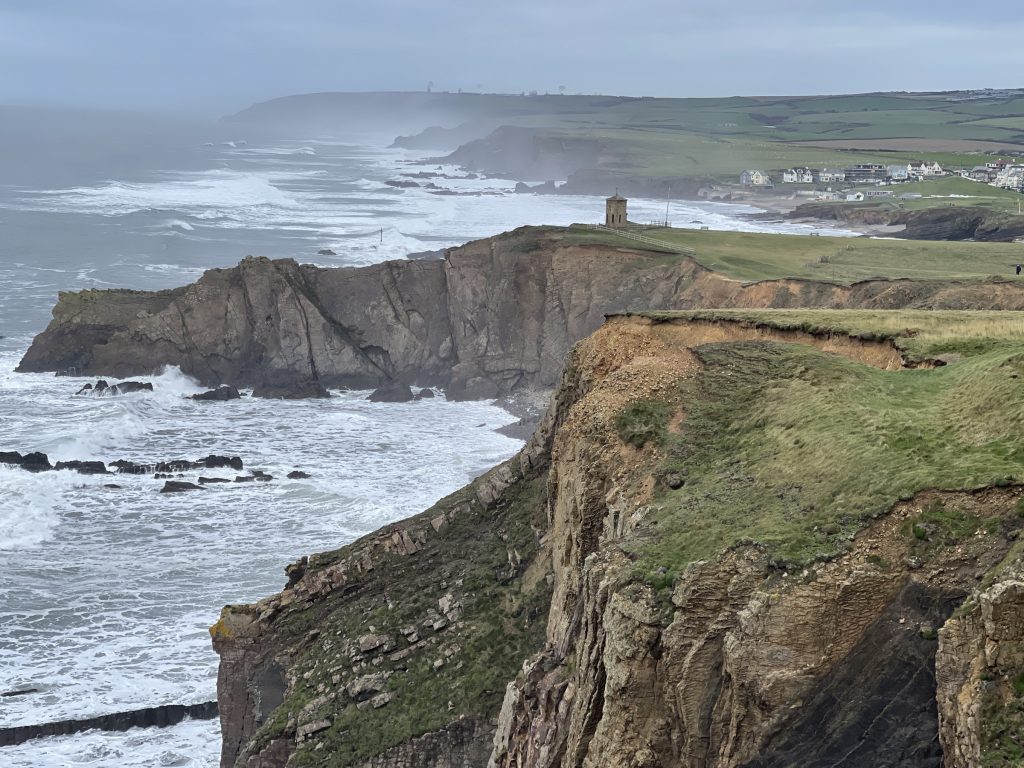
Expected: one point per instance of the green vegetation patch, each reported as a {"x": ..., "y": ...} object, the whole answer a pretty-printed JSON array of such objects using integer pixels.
[
  {"x": 795, "y": 449},
  {"x": 643, "y": 422},
  {"x": 481, "y": 555},
  {"x": 1002, "y": 724},
  {"x": 920, "y": 335}
]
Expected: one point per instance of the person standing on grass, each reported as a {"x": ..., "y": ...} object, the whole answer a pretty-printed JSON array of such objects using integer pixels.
[{"x": 1017, "y": 268}]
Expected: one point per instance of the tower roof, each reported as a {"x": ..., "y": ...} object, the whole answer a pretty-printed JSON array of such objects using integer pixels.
[{"x": 617, "y": 197}]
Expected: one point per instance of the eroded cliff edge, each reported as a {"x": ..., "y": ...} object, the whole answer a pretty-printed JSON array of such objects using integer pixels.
[
  {"x": 730, "y": 543},
  {"x": 493, "y": 316}
]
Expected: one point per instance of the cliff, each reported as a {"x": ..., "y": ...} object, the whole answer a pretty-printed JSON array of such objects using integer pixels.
[
  {"x": 493, "y": 316},
  {"x": 936, "y": 223},
  {"x": 735, "y": 540}
]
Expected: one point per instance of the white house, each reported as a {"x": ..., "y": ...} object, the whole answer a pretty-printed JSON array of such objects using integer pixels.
[
  {"x": 755, "y": 179},
  {"x": 898, "y": 172},
  {"x": 798, "y": 176},
  {"x": 831, "y": 174},
  {"x": 924, "y": 170},
  {"x": 855, "y": 197}
]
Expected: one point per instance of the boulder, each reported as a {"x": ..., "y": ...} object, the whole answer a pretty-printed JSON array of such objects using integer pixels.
[
  {"x": 221, "y": 393},
  {"x": 127, "y": 387},
  {"x": 425, "y": 394},
  {"x": 210, "y": 480},
  {"x": 10, "y": 457},
  {"x": 297, "y": 475},
  {"x": 178, "y": 486},
  {"x": 36, "y": 462},
  {"x": 217, "y": 462},
  {"x": 326, "y": 252},
  {"x": 392, "y": 392}
]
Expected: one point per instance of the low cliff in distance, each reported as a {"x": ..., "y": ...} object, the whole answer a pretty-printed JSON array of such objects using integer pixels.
[
  {"x": 937, "y": 223},
  {"x": 738, "y": 538},
  {"x": 493, "y": 316}
]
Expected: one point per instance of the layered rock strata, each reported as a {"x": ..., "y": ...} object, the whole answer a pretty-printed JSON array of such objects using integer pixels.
[{"x": 493, "y": 316}]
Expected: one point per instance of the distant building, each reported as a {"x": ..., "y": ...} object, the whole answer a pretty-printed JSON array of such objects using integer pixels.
[
  {"x": 755, "y": 179},
  {"x": 829, "y": 175},
  {"x": 898, "y": 172},
  {"x": 854, "y": 197},
  {"x": 866, "y": 172},
  {"x": 920, "y": 170},
  {"x": 877, "y": 193},
  {"x": 615, "y": 211},
  {"x": 981, "y": 173},
  {"x": 798, "y": 176},
  {"x": 1010, "y": 177}
]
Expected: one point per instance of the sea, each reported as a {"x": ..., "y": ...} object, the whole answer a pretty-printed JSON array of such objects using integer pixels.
[{"x": 107, "y": 593}]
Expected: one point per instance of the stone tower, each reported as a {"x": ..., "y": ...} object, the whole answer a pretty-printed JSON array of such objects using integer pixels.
[{"x": 615, "y": 211}]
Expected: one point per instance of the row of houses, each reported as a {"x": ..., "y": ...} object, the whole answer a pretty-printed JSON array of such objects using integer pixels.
[
  {"x": 863, "y": 173},
  {"x": 1000, "y": 173}
]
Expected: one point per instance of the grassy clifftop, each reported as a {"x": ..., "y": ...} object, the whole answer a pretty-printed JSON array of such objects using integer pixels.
[
  {"x": 752, "y": 256},
  {"x": 794, "y": 448}
]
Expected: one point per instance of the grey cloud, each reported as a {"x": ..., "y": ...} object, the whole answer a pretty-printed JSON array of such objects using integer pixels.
[{"x": 219, "y": 55}]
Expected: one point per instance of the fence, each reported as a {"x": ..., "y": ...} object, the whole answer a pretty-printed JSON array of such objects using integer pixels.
[{"x": 644, "y": 239}]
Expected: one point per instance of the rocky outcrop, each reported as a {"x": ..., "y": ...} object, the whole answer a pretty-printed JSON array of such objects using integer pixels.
[
  {"x": 936, "y": 223},
  {"x": 494, "y": 316}
]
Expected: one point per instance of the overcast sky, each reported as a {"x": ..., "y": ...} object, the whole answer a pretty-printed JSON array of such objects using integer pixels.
[{"x": 217, "y": 56}]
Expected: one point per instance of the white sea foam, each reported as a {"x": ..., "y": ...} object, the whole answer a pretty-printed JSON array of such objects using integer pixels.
[
  {"x": 192, "y": 744},
  {"x": 114, "y": 596}
]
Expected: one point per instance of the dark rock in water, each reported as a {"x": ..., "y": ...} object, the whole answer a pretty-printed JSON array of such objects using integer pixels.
[
  {"x": 84, "y": 467},
  {"x": 297, "y": 390},
  {"x": 261, "y": 476},
  {"x": 244, "y": 479},
  {"x": 35, "y": 462},
  {"x": 178, "y": 486},
  {"x": 10, "y": 457},
  {"x": 125, "y": 387},
  {"x": 400, "y": 184},
  {"x": 24, "y": 691},
  {"x": 392, "y": 392},
  {"x": 113, "y": 486},
  {"x": 297, "y": 475},
  {"x": 217, "y": 462},
  {"x": 425, "y": 394},
  {"x": 209, "y": 480},
  {"x": 326, "y": 252},
  {"x": 152, "y": 717},
  {"x": 121, "y": 388},
  {"x": 221, "y": 393}
]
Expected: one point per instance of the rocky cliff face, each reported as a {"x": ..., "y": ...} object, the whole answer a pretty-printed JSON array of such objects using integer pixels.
[
  {"x": 956, "y": 223},
  {"x": 520, "y": 619},
  {"x": 494, "y": 316}
]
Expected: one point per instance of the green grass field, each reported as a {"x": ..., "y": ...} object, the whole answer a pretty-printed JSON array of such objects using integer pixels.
[
  {"x": 752, "y": 256},
  {"x": 720, "y": 137},
  {"x": 796, "y": 449}
]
